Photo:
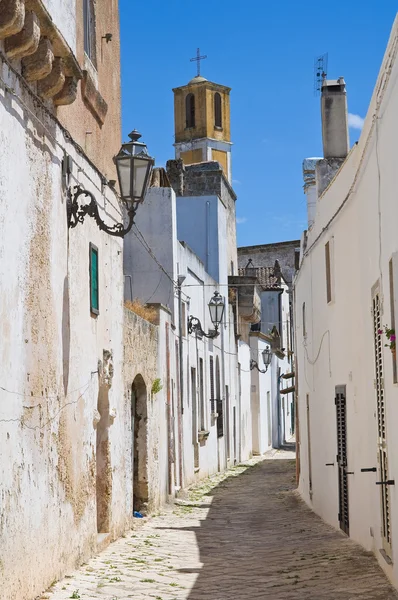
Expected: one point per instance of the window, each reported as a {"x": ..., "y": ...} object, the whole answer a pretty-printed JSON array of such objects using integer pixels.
[
  {"x": 220, "y": 407},
  {"x": 212, "y": 396},
  {"x": 94, "y": 292},
  {"x": 217, "y": 111},
  {"x": 328, "y": 273},
  {"x": 202, "y": 412},
  {"x": 89, "y": 30},
  {"x": 392, "y": 314},
  {"x": 184, "y": 319},
  {"x": 190, "y": 111},
  {"x": 304, "y": 322}
]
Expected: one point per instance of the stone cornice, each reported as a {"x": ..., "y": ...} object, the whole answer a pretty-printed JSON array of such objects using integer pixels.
[{"x": 31, "y": 35}]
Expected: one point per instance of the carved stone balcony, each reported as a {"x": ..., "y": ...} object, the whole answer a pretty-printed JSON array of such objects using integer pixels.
[
  {"x": 31, "y": 36},
  {"x": 247, "y": 297}
]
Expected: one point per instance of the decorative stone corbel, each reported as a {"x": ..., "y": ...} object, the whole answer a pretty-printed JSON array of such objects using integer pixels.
[
  {"x": 12, "y": 17},
  {"x": 38, "y": 65},
  {"x": 27, "y": 40},
  {"x": 54, "y": 82},
  {"x": 68, "y": 93}
]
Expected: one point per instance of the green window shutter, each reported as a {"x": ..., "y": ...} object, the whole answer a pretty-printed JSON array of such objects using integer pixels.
[{"x": 94, "y": 293}]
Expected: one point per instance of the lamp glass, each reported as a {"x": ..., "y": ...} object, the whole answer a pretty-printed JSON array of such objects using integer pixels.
[
  {"x": 134, "y": 166},
  {"x": 123, "y": 164},
  {"x": 140, "y": 169},
  {"x": 267, "y": 356},
  {"x": 216, "y": 308}
]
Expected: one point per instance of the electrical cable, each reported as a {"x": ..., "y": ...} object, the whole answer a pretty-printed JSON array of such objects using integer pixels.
[{"x": 82, "y": 390}]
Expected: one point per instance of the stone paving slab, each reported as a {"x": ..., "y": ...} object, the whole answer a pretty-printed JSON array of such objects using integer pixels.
[{"x": 256, "y": 540}]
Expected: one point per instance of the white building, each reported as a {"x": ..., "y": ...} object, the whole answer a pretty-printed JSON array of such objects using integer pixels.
[
  {"x": 185, "y": 244},
  {"x": 67, "y": 372},
  {"x": 345, "y": 293}
]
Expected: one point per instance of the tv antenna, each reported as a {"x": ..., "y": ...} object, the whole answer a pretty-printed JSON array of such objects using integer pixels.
[{"x": 320, "y": 72}]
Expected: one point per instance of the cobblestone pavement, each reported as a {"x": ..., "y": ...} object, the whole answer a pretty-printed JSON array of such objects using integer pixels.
[{"x": 256, "y": 540}]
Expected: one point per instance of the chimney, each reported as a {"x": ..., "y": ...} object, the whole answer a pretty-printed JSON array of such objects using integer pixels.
[
  {"x": 335, "y": 138},
  {"x": 310, "y": 189},
  {"x": 336, "y": 143}
]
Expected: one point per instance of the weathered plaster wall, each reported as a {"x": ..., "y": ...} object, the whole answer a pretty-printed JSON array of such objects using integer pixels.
[{"x": 50, "y": 349}]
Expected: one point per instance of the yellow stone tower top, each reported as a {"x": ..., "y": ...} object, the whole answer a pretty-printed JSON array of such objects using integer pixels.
[{"x": 202, "y": 123}]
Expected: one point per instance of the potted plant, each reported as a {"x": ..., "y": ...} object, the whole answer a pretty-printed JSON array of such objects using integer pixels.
[{"x": 390, "y": 334}]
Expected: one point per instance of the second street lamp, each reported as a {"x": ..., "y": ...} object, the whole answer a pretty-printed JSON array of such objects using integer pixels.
[
  {"x": 216, "y": 308},
  {"x": 267, "y": 357}
]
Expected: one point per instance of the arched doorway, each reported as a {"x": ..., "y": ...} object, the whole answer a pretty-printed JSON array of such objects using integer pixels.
[{"x": 139, "y": 431}]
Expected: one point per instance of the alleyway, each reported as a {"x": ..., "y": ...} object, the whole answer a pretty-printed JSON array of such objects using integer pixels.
[{"x": 257, "y": 540}]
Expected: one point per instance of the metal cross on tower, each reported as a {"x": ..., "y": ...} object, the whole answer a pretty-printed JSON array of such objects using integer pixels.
[{"x": 197, "y": 59}]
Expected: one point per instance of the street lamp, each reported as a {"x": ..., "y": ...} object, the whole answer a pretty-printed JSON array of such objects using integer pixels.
[
  {"x": 134, "y": 167},
  {"x": 267, "y": 357},
  {"x": 216, "y": 309}
]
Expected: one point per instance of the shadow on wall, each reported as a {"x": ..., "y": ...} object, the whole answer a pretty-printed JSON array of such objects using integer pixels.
[
  {"x": 104, "y": 465},
  {"x": 66, "y": 335},
  {"x": 139, "y": 429}
]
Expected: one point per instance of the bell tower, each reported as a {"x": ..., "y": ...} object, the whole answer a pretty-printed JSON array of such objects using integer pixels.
[{"x": 202, "y": 123}]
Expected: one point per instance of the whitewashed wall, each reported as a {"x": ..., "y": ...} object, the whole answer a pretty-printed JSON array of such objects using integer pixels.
[
  {"x": 338, "y": 348},
  {"x": 50, "y": 348}
]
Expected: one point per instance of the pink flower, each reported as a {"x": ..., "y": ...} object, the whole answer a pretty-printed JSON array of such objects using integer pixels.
[
  {"x": 380, "y": 331},
  {"x": 392, "y": 338}
]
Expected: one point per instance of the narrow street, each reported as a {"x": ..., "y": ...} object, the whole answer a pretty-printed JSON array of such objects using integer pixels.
[{"x": 256, "y": 540}]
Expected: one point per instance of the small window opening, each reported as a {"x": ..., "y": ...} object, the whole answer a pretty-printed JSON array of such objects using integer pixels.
[
  {"x": 190, "y": 110},
  {"x": 89, "y": 30},
  {"x": 217, "y": 110},
  {"x": 328, "y": 273},
  {"x": 304, "y": 322}
]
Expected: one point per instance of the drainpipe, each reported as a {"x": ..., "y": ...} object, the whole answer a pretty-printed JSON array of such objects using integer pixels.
[{"x": 181, "y": 279}]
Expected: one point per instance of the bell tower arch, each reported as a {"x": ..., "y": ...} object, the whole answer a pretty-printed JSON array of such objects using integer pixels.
[{"x": 202, "y": 123}]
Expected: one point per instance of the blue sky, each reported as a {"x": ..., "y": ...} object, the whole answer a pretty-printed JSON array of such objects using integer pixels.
[{"x": 265, "y": 52}]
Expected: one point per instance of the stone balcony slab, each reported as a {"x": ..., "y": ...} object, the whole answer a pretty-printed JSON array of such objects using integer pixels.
[{"x": 27, "y": 40}]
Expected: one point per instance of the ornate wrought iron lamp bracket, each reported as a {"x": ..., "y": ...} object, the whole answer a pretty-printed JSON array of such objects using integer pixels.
[
  {"x": 254, "y": 365},
  {"x": 195, "y": 326},
  {"x": 77, "y": 213}
]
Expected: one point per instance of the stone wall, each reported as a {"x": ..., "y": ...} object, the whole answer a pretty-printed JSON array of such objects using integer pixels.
[
  {"x": 265, "y": 255},
  {"x": 143, "y": 366}
]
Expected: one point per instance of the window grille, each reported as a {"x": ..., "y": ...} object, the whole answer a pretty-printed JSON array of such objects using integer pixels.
[{"x": 381, "y": 425}]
